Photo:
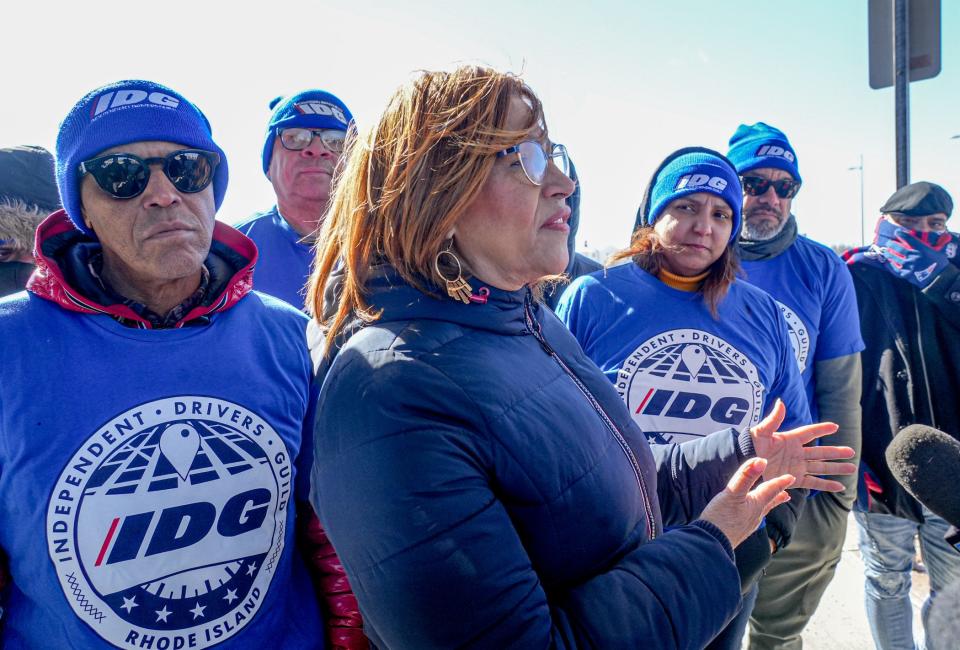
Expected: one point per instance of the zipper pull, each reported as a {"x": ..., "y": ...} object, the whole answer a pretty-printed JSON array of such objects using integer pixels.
[{"x": 481, "y": 297}]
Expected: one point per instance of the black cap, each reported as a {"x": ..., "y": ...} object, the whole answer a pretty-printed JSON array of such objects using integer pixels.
[
  {"x": 918, "y": 200},
  {"x": 27, "y": 174}
]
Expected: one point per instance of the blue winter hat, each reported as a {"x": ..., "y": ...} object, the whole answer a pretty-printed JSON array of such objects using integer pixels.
[
  {"x": 689, "y": 171},
  {"x": 122, "y": 113},
  {"x": 761, "y": 145},
  {"x": 311, "y": 109}
]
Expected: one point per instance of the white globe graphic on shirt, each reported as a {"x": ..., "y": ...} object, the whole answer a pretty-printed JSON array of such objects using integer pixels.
[
  {"x": 179, "y": 525},
  {"x": 686, "y": 383}
]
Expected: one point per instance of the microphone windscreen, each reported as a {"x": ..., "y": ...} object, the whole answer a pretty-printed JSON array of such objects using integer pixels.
[{"x": 926, "y": 462}]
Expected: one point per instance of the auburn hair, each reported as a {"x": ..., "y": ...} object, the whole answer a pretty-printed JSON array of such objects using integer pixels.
[
  {"x": 647, "y": 251},
  {"x": 409, "y": 178}
]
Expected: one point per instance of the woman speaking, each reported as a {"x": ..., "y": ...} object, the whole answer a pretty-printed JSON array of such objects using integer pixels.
[{"x": 478, "y": 475}]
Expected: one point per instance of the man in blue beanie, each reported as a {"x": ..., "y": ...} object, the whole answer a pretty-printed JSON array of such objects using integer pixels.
[
  {"x": 304, "y": 140},
  {"x": 816, "y": 297},
  {"x": 157, "y": 468}
]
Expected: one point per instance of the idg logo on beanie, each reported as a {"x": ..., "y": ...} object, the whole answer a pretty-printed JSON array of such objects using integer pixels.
[
  {"x": 126, "y": 97},
  {"x": 322, "y": 108},
  {"x": 774, "y": 150},
  {"x": 704, "y": 181}
]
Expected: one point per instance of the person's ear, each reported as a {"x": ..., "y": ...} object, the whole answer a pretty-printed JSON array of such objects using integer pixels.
[{"x": 86, "y": 219}]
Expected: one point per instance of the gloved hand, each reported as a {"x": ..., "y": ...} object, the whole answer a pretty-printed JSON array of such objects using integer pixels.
[{"x": 917, "y": 257}]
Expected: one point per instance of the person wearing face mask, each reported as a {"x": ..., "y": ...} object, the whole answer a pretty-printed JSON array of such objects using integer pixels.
[
  {"x": 688, "y": 347},
  {"x": 908, "y": 294},
  {"x": 815, "y": 294}
]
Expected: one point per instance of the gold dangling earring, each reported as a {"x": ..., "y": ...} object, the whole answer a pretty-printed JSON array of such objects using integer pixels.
[{"x": 457, "y": 288}]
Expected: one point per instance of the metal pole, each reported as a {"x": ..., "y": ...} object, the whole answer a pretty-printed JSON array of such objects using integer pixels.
[{"x": 901, "y": 43}]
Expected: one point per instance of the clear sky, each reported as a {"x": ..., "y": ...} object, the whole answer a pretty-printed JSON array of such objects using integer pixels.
[{"x": 623, "y": 83}]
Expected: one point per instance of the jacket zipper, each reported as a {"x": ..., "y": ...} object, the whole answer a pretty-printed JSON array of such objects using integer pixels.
[{"x": 534, "y": 327}]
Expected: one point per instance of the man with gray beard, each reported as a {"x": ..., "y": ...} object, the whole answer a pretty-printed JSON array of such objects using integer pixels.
[{"x": 816, "y": 297}]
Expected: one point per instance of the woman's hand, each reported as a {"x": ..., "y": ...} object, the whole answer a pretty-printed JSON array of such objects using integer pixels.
[
  {"x": 785, "y": 452},
  {"x": 738, "y": 510}
]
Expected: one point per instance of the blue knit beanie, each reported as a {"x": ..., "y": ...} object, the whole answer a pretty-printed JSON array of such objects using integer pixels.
[
  {"x": 689, "y": 171},
  {"x": 122, "y": 113},
  {"x": 761, "y": 145},
  {"x": 311, "y": 109}
]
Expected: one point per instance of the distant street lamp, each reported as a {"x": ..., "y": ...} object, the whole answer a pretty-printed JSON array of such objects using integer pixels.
[{"x": 859, "y": 169}]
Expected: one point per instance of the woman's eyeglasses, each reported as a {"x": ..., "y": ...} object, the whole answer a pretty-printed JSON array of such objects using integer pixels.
[
  {"x": 786, "y": 188},
  {"x": 298, "y": 139},
  {"x": 534, "y": 159},
  {"x": 125, "y": 176}
]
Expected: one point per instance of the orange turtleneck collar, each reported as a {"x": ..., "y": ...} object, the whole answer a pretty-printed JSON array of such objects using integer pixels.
[{"x": 682, "y": 282}]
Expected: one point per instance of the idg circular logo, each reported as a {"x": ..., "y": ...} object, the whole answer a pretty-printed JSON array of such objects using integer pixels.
[
  {"x": 687, "y": 383},
  {"x": 166, "y": 525},
  {"x": 799, "y": 338}
]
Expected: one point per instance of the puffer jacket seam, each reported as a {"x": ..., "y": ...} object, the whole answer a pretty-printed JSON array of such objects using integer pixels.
[{"x": 380, "y": 561}]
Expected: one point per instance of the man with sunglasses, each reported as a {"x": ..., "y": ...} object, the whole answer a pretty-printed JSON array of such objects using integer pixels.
[
  {"x": 816, "y": 298},
  {"x": 304, "y": 140},
  {"x": 908, "y": 293},
  {"x": 155, "y": 432}
]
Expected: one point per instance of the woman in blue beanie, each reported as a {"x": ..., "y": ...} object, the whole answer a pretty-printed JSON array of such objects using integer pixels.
[{"x": 689, "y": 348}]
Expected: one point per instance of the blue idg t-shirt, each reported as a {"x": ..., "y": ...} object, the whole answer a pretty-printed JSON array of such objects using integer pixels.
[
  {"x": 284, "y": 263},
  {"x": 682, "y": 373},
  {"x": 815, "y": 294},
  {"x": 149, "y": 479}
]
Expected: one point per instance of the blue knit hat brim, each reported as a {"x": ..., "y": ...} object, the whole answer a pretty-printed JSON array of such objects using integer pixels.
[
  {"x": 123, "y": 113},
  {"x": 310, "y": 109},
  {"x": 697, "y": 171},
  {"x": 760, "y": 146}
]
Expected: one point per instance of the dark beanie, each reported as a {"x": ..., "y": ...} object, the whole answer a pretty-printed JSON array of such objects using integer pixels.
[
  {"x": 27, "y": 175},
  {"x": 918, "y": 200}
]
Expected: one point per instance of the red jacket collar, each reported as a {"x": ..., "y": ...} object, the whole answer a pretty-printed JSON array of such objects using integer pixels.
[{"x": 57, "y": 234}]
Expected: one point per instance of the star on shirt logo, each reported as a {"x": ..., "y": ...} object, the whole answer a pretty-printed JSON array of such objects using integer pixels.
[
  {"x": 251, "y": 568},
  {"x": 129, "y": 603},
  {"x": 198, "y": 611},
  {"x": 163, "y": 614},
  {"x": 231, "y": 596}
]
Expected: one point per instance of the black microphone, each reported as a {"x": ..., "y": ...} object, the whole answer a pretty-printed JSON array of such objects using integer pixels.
[{"x": 926, "y": 462}]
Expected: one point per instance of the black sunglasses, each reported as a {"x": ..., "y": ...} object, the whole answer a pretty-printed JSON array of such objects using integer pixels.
[
  {"x": 124, "y": 175},
  {"x": 786, "y": 188}
]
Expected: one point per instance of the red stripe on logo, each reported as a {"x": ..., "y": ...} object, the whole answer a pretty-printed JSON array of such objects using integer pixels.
[
  {"x": 106, "y": 542},
  {"x": 644, "y": 402}
]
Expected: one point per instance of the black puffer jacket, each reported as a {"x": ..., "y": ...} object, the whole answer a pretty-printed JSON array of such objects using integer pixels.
[{"x": 485, "y": 486}]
